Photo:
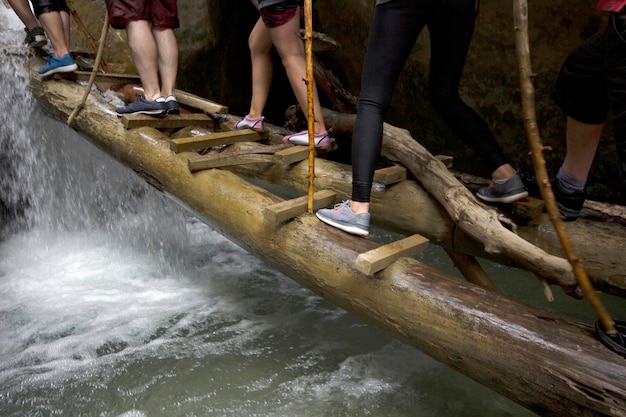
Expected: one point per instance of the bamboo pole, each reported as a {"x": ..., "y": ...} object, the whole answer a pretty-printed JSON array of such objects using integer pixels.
[
  {"x": 90, "y": 38},
  {"x": 94, "y": 70},
  {"x": 520, "y": 14},
  {"x": 308, "y": 38}
]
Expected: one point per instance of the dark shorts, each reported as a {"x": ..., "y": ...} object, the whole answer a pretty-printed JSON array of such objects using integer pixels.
[
  {"x": 278, "y": 14},
  {"x": 580, "y": 89},
  {"x": 47, "y": 6},
  {"x": 161, "y": 13}
]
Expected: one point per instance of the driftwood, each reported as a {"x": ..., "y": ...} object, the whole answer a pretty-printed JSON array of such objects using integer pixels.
[{"x": 551, "y": 366}]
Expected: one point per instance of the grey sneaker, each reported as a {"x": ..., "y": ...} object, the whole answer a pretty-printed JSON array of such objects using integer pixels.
[
  {"x": 342, "y": 217},
  {"x": 512, "y": 190}
]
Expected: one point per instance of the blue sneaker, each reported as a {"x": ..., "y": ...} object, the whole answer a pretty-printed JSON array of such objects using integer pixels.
[
  {"x": 342, "y": 217},
  {"x": 172, "y": 105},
  {"x": 64, "y": 64},
  {"x": 157, "y": 107}
]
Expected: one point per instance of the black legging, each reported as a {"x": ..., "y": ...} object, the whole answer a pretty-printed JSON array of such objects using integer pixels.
[{"x": 394, "y": 30}]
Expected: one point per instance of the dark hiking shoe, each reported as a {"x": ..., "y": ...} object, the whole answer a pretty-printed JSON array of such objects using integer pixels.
[
  {"x": 172, "y": 105},
  {"x": 35, "y": 38},
  {"x": 512, "y": 190},
  {"x": 143, "y": 106},
  {"x": 569, "y": 204}
]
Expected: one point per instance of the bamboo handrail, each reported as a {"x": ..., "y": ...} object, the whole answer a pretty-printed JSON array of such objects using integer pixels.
[
  {"x": 308, "y": 38},
  {"x": 520, "y": 14}
]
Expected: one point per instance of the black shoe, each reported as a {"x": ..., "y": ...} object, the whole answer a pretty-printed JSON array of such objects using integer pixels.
[
  {"x": 172, "y": 105},
  {"x": 569, "y": 204}
]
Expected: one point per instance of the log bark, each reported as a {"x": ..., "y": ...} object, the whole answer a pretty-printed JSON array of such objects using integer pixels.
[{"x": 551, "y": 366}]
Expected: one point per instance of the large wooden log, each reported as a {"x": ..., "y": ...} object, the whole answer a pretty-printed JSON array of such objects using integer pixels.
[{"x": 551, "y": 366}]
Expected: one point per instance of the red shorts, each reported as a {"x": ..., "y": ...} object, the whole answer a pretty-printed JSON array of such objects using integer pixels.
[
  {"x": 278, "y": 14},
  {"x": 161, "y": 13}
]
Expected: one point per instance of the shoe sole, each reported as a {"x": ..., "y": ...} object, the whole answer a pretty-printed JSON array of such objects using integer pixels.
[
  {"x": 505, "y": 200},
  {"x": 66, "y": 68},
  {"x": 146, "y": 112},
  {"x": 345, "y": 227}
]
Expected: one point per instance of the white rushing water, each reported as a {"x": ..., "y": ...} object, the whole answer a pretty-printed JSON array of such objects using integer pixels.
[{"x": 116, "y": 302}]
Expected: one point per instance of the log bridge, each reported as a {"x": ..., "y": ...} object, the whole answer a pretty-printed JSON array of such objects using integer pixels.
[{"x": 553, "y": 367}]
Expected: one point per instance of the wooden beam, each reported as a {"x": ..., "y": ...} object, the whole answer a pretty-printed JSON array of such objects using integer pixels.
[
  {"x": 171, "y": 121},
  {"x": 199, "y": 103},
  {"x": 109, "y": 78},
  {"x": 194, "y": 143},
  {"x": 289, "y": 209},
  {"x": 380, "y": 258},
  {"x": 529, "y": 208},
  {"x": 390, "y": 175},
  {"x": 199, "y": 163}
]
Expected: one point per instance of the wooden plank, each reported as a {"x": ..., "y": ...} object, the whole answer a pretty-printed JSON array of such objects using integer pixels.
[
  {"x": 109, "y": 78},
  {"x": 390, "y": 175},
  {"x": 380, "y": 258},
  {"x": 292, "y": 155},
  {"x": 289, "y": 209},
  {"x": 194, "y": 143},
  {"x": 530, "y": 208},
  {"x": 199, "y": 103},
  {"x": 199, "y": 163},
  {"x": 446, "y": 159},
  {"x": 171, "y": 121}
]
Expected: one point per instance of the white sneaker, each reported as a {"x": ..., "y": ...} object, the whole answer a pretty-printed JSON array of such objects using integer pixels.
[
  {"x": 254, "y": 124},
  {"x": 321, "y": 140}
]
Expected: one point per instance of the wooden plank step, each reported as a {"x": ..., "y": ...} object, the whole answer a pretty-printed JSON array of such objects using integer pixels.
[
  {"x": 289, "y": 209},
  {"x": 199, "y": 163},
  {"x": 529, "y": 208},
  {"x": 171, "y": 121},
  {"x": 195, "y": 143},
  {"x": 380, "y": 258},
  {"x": 390, "y": 175},
  {"x": 110, "y": 78},
  {"x": 292, "y": 155},
  {"x": 199, "y": 103},
  {"x": 447, "y": 160}
]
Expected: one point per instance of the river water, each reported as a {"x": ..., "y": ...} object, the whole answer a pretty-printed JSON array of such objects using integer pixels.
[{"x": 116, "y": 302}]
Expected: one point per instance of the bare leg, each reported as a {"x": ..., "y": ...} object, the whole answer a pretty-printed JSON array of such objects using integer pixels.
[
  {"x": 167, "y": 48},
  {"x": 291, "y": 50},
  {"x": 65, "y": 18},
  {"x": 52, "y": 23},
  {"x": 582, "y": 143},
  {"x": 260, "y": 44},
  {"x": 143, "y": 50},
  {"x": 23, "y": 11}
]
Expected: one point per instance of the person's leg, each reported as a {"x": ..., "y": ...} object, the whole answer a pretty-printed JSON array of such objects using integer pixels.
[
  {"x": 167, "y": 52},
  {"x": 582, "y": 141},
  {"x": 143, "y": 50},
  {"x": 260, "y": 44},
  {"x": 52, "y": 23},
  {"x": 286, "y": 39},
  {"x": 23, "y": 11},
  {"x": 65, "y": 21},
  {"x": 616, "y": 84}
]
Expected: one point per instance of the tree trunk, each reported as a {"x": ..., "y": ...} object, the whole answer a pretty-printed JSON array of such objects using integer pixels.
[{"x": 551, "y": 366}]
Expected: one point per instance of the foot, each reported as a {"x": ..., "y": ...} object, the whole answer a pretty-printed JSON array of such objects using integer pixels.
[
  {"x": 143, "y": 106},
  {"x": 342, "y": 217},
  {"x": 35, "y": 38},
  {"x": 511, "y": 190},
  {"x": 322, "y": 140},
  {"x": 172, "y": 105},
  {"x": 569, "y": 204},
  {"x": 53, "y": 65},
  {"x": 255, "y": 124}
]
